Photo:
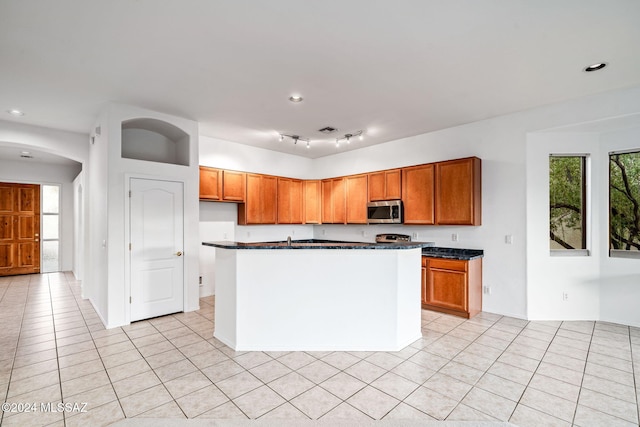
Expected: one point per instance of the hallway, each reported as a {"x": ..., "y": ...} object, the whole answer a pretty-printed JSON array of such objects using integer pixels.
[{"x": 54, "y": 348}]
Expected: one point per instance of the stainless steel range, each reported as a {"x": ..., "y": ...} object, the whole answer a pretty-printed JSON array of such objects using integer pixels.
[{"x": 392, "y": 238}]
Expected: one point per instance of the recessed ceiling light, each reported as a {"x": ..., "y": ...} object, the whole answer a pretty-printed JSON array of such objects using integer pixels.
[
  {"x": 15, "y": 112},
  {"x": 595, "y": 67},
  {"x": 295, "y": 98}
]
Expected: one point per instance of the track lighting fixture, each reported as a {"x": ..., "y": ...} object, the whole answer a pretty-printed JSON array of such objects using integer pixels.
[
  {"x": 295, "y": 139},
  {"x": 347, "y": 137}
]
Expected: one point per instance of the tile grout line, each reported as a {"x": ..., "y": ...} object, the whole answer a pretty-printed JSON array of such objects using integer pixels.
[
  {"x": 584, "y": 372},
  {"x": 633, "y": 371},
  {"x": 99, "y": 356},
  {"x": 15, "y": 352},
  {"x": 55, "y": 340}
]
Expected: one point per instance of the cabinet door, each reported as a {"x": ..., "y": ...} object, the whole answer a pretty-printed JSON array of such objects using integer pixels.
[
  {"x": 356, "y": 199},
  {"x": 458, "y": 192},
  {"x": 385, "y": 185},
  {"x": 289, "y": 201},
  {"x": 376, "y": 186},
  {"x": 233, "y": 186},
  {"x": 393, "y": 184},
  {"x": 210, "y": 183},
  {"x": 338, "y": 200},
  {"x": 312, "y": 202},
  {"x": 269, "y": 200},
  {"x": 417, "y": 194},
  {"x": 250, "y": 212},
  {"x": 296, "y": 201},
  {"x": 447, "y": 284},
  {"x": 327, "y": 201},
  {"x": 284, "y": 201}
]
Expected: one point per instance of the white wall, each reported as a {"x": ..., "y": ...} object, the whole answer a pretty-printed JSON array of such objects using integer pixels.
[
  {"x": 228, "y": 155},
  {"x": 548, "y": 277},
  {"x": 79, "y": 235}
]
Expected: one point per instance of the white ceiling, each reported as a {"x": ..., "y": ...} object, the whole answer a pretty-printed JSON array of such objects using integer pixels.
[{"x": 392, "y": 68}]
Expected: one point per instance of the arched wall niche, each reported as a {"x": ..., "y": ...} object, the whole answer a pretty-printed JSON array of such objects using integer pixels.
[{"x": 154, "y": 140}]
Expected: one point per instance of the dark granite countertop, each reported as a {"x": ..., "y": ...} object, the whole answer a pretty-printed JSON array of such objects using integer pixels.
[
  {"x": 317, "y": 244},
  {"x": 452, "y": 253}
]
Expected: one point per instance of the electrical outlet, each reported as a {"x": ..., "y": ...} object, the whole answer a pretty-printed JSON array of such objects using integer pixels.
[
  {"x": 454, "y": 237},
  {"x": 565, "y": 296},
  {"x": 248, "y": 234},
  {"x": 364, "y": 233},
  {"x": 508, "y": 239},
  {"x": 324, "y": 232},
  {"x": 414, "y": 236},
  {"x": 486, "y": 290},
  {"x": 293, "y": 232},
  {"x": 225, "y": 236},
  {"x": 200, "y": 280}
]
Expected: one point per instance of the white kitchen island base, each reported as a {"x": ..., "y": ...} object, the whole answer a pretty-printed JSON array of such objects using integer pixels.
[{"x": 317, "y": 299}]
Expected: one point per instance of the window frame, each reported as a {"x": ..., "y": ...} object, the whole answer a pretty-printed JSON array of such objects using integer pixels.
[
  {"x": 586, "y": 217},
  {"x": 617, "y": 253}
]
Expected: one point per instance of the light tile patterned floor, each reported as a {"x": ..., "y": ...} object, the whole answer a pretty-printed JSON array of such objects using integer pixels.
[{"x": 55, "y": 349}]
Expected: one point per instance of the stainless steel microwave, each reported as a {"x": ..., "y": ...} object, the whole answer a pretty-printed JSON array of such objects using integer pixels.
[{"x": 385, "y": 212}]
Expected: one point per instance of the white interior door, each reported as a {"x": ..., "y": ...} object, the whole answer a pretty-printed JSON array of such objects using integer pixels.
[{"x": 156, "y": 221}]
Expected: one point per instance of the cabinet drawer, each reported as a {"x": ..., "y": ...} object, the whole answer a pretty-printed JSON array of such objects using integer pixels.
[{"x": 448, "y": 264}]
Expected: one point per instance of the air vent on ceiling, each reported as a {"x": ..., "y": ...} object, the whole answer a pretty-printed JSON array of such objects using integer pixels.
[{"x": 327, "y": 130}]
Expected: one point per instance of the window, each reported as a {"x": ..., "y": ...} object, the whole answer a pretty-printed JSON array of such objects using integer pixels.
[
  {"x": 50, "y": 228},
  {"x": 567, "y": 201},
  {"x": 624, "y": 204}
]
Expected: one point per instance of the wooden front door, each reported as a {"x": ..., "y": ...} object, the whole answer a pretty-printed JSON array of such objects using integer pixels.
[{"x": 19, "y": 229}]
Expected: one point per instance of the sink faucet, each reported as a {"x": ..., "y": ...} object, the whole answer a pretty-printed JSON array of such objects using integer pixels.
[{"x": 288, "y": 240}]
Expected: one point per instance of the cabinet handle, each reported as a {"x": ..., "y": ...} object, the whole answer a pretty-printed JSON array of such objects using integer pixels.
[{"x": 179, "y": 253}]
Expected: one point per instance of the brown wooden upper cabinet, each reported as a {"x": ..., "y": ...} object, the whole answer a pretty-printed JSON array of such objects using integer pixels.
[
  {"x": 385, "y": 185},
  {"x": 418, "y": 194},
  {"x": 260, "y": 206},
  {"x": 312, "y": 202},
  {"x": 458, "y": 192},
  {"x": 210, "y": 183},
  {"x": 222, "y": 185},
  {"x": 333, "y": 201},
  {"x": 290, "y": 201},
  {"x": 356, "y": 199}
]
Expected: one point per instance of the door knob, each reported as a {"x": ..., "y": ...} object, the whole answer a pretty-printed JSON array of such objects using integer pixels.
[{"x": 179, "y": 253}]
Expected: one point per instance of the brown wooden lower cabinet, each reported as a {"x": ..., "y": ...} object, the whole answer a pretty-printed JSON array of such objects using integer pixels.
[{"x": 452, "y": 286}]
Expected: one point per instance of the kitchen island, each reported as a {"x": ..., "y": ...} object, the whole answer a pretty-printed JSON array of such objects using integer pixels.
[{"x": 317, "y": 295}]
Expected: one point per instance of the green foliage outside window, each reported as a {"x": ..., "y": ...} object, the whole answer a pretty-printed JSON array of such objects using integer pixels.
[
  {"x": 566, "y": 202},
  {"x": 624, "y": 201}
]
